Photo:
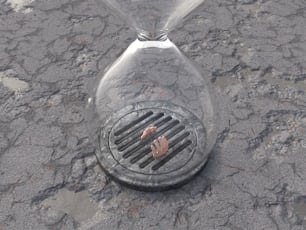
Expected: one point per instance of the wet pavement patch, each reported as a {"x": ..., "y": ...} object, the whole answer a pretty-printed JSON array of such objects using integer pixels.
[
  {"x": 14, "y": 84},
  {"x": 299, "y": 207},
  {"x": 78, "y": 205}
]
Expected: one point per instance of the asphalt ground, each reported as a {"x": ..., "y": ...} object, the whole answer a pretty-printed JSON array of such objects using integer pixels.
[{"x": 253, "y": 51}]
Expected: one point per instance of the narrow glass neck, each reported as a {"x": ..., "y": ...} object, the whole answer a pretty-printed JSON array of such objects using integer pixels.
[
  {"x": 148, "y": 44},
  {"x": 144, "y": 36}
]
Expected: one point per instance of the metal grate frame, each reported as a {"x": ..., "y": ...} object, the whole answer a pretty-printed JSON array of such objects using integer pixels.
[{"x": 128, "y": 159}]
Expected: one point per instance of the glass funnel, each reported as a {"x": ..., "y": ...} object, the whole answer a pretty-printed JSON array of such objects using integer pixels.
[{"x": 152, "y": 114}]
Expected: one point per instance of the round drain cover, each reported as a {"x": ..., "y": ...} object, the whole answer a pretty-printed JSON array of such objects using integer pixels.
[{"x": 128, "y": 159}]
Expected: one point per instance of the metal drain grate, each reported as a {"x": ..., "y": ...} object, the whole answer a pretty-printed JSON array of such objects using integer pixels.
[{"x": 129, "y": 159}]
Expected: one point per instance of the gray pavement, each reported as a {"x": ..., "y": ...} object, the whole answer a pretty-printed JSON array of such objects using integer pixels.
[{"x": 254, "y": 51}]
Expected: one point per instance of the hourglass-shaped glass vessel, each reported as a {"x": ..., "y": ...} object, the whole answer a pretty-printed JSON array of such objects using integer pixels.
[{"x": 151, "y": 114}]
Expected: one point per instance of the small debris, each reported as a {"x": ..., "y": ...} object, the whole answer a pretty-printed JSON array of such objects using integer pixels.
[
  {"x": 148, "y": 131},
  {"x": 159, "y": 147}
]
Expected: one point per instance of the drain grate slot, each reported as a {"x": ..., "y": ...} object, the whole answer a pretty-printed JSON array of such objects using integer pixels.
[
  {"x": 164, "y": 121},
  {"x": 140, "y": 156},
  {"x": 137, "y": 129},
  {"x": 141, "y": 144},
  {"x": 175, "y": 132},
  {"x": 171, "y": 155},
  {"x": 146, "y": 162},
  {"x": 179, "y": 139},
  {"x": 123, "y": 129},
  {"x": 148, "y": 150}
]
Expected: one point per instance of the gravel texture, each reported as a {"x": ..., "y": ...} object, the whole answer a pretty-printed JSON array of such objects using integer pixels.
[{"x": 254, "y": 52}]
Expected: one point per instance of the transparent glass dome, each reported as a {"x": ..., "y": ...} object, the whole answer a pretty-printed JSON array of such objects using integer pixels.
[
  {"x": 153, "y": 19},
  {"x": 152, "y": 91}
]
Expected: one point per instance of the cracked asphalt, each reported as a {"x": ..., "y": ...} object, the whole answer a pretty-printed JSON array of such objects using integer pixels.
[{"x": 254, "y": 52}]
